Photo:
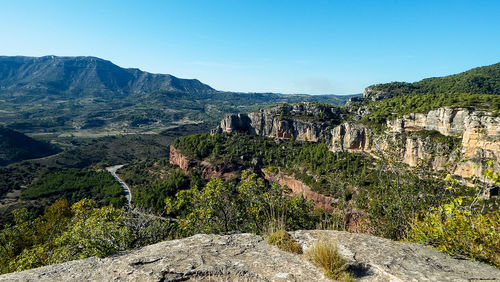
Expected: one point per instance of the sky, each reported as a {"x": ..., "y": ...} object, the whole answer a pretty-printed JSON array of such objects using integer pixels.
[{"x": 315, "y": 47}]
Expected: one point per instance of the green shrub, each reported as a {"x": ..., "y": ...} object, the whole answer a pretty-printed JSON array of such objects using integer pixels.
[
  {"x": 458, "y": 232},
  {"x": 461, "y": 227},
  {"x": 284, "y": 241}
]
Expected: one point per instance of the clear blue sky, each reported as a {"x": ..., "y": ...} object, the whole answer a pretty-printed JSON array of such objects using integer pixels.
[{"x": 254, "y": 46}]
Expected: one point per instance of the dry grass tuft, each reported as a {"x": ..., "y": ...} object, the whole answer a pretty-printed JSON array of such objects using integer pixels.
[{"x": 324, "y": 254}]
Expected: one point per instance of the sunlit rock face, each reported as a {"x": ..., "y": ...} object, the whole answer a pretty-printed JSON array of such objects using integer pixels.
[
  {"x": 477, "y": 134},
  {"x": 303, "y": 121}
]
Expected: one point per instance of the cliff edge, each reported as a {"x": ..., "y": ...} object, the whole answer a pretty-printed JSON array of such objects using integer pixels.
[{"x": 247, "y": 257}]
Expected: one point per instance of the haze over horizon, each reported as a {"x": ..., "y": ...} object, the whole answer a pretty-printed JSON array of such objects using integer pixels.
[{"x": 325, "y": 47}]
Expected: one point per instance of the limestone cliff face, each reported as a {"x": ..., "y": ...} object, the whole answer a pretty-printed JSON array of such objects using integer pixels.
[
  {"x": 300, "y": 189},
  {"x": 350, "y": 137},
  {"x": 374, "y": 95},
  {"x": 304, "y": 122},
  {"x": 247, "y": 257},
  {"x": 478, "y": 134},
  {"x": 478, "y": 131}
]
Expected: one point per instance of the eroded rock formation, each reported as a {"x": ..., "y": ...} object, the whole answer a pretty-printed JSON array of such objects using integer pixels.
[
  {"x": 209, "y": 170},
  {"x": 299, "y": 188},
  {"x": 304, "y": 122},
  {"x": 412, "y": 137},
  {"x": 247, "y": 257},
  {"x": 178, "y": 159}
]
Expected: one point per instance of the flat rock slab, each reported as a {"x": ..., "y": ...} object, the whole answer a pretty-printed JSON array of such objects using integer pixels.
[
  {"x": 247, "y": 257},
  {"x": 237, "y": 257},
  {"x": 378, "y": 259}
]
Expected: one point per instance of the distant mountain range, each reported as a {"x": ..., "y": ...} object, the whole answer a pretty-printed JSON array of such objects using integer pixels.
[
  {"x": 86, "y": 75},
  {"x": 75, "y": 95}
]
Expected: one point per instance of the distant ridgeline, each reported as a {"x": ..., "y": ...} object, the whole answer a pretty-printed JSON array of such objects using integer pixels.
[{"x": 74, "y": 94}]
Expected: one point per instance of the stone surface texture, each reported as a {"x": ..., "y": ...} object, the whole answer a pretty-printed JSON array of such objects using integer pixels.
[{"x": 247, "y": 257}]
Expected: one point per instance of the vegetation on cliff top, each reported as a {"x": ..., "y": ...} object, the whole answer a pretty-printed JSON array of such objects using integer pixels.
[
  {"x": 389, "y": 193},
  {"x": 481, "y": 80},
  {"x": 380, "y": 111}
]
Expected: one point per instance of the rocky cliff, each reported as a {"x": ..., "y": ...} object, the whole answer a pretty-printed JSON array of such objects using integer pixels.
[
  {"x": 478, "y": 132},
  {"x": 303, "y": 121},
  {"x": 247, "y": 257},
  {"x": 227, "y": 172},
  {"x": 457, "y": 140},
  {"x": 209, "y": 170},
  {"x": 299, "y": 188},
  {"x": 375, "y": 95}
]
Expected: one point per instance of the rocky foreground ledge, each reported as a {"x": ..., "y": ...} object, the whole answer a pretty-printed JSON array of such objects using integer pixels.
[{"x": 247, "y": 257}]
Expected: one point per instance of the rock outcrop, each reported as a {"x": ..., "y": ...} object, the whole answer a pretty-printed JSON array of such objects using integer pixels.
[
  {"x": 375, "y": 95},
  {"x": 477, "y": 133},
  {"x": 209, "y": 170},
  {"x": 247, "y": 257},
  {"x": 303, "y": 121},
  {"x": 178, "y": 159},
  {"x": 300, "y": 189}
]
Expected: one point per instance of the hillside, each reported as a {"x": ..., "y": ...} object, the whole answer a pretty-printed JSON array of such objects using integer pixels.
[
  {"x": 388, "y": 165},
  {"x": 481, "y": 80},
  {"x": 15, "y": 146},
  {"x": 92, "y": 97},
  {"x": 85, "y": 76}
]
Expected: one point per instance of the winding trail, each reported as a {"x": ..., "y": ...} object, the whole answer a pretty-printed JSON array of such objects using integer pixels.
[{"x": 126, "y": 189}]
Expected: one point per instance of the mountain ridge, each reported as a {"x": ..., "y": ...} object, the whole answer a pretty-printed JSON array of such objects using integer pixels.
[{"x": 86, "y": 74}]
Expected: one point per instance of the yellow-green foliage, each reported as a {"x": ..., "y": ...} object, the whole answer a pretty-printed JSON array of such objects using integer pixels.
[
  {"x": 78, "y": 231},
  {"x": 324, "y": 254},
  {"x": 285, "y": 242},
  {"x": 460, "y": 227},
  {"x": 458, "y": 232}
]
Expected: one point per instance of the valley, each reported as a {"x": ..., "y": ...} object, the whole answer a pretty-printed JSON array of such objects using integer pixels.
[{"x": 143, "y": 157}]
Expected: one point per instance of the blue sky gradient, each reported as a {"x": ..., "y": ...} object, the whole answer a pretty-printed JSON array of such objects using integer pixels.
[{"x": 335, "y": 47}]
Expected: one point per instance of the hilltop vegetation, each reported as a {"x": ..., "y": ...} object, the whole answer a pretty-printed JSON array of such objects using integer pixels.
[
  {"x": 378, "y": 112},
  {"x": 478, "y": 88},
  {"x": 481, "y": 80}
]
